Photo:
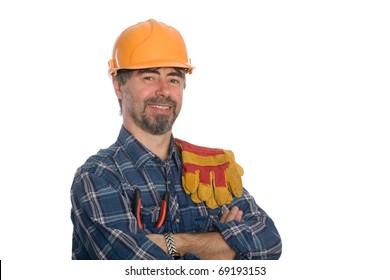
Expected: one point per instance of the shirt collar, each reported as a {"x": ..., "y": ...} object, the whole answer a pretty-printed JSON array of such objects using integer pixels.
[{"x": 139, "y": 154}]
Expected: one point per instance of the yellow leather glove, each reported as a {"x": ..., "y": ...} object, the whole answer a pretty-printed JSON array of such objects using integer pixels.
[{"x": 210, "y": 175}]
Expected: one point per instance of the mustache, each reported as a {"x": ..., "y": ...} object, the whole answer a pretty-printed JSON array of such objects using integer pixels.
[{"x": 160, "y": 100}]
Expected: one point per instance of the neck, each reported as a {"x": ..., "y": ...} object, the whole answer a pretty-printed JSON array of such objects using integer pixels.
[{"x": 157, "y": 144}]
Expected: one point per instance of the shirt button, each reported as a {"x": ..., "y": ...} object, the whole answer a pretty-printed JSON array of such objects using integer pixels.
[{"x": 177, "y": 220}]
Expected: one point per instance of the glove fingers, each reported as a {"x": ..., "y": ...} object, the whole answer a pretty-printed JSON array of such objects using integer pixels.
[
  {"x": 236, "y": 190},
  {"x": 204, "y": 191},
  {"x": 222, "y": 196},
  {"x": 234, "y": 181},
  {"x": 211, "y": 203},
  {"x": 232, "y": 161},
  {"x": 190, "y": 182},
  {"x": 240, "y": 170},
  {"x": 235, "y": 186},
  {"x": 210, "y": 175},
  {"x": 195, "y": 198}
]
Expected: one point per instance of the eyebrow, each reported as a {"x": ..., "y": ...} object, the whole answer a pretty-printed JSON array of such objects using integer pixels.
[{"x": 176, "y": 73}]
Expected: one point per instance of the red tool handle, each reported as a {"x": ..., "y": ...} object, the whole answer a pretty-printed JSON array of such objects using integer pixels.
[
  {"x": 137, "y": 207},
  {"x": 163, "y": 211}
]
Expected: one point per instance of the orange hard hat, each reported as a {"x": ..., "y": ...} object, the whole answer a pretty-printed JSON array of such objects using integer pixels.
[{"x": 149, "y": 44}]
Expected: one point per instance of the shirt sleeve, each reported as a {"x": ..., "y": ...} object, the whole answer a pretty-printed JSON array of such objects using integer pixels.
[
  {"x": 256, "y": 236},
  {"x": 104, "y": 225}
]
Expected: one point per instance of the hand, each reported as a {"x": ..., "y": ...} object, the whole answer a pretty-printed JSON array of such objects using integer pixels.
[{"x": 233, "y": 214}]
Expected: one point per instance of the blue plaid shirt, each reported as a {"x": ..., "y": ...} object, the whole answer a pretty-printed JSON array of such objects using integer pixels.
[{"x": 105, "y": 227}]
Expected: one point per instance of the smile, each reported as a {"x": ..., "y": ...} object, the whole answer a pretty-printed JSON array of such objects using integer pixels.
[{"x": 161, "y": 107}]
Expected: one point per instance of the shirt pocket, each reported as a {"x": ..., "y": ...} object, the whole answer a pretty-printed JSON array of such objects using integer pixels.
[
  {"x": 149, "y": 217},
  {"x": 206, "y": 223}
]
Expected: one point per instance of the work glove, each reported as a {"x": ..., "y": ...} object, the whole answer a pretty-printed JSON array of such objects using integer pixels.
[{"x": 210, "y": 175}]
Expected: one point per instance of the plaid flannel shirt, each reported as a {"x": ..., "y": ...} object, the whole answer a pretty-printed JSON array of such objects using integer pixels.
[{"x": 105, "y": 227}]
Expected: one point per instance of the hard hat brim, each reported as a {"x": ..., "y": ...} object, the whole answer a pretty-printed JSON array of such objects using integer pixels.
[{"x": 154, "y": 64}]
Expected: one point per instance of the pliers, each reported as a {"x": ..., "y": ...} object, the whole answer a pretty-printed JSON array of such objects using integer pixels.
[{"x": 137, "y": 209}]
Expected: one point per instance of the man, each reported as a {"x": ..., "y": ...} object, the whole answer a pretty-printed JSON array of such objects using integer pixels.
[{"x": 151, "y": 196}]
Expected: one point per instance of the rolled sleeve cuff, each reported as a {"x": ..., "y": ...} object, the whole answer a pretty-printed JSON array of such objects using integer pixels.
[{"x": 237, "y": 236}]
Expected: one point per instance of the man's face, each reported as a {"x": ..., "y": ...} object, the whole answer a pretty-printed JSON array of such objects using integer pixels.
[{"x": 152, "y": 99}]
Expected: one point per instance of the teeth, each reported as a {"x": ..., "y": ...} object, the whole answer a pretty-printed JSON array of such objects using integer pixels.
[{"x": 160, "y": 107}]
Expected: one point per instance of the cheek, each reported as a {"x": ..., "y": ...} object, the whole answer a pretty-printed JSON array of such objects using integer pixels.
[
  {"x": 178, "y": 109},
  {"x": 131, "y": 102},
  {"x": 179, "y": 101},
  {"x": 131, "y": 96}
]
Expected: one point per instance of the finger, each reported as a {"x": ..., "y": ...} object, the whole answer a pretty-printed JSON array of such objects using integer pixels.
[
  {"x": 232, "y": 214},
  {"x": 235, "y": 214},
  {"x": 224, "y": 216},
  {"x": 239, "y": 216}
]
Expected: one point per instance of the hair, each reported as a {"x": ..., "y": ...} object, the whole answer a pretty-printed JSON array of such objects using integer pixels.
[{"x": 123, "y": 75}]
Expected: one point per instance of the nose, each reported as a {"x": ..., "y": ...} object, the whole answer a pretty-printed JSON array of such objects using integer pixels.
[{"x": 163, "y": 88}]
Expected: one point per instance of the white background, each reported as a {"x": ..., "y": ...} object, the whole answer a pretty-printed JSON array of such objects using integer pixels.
[{"x": 299, "y": 90}]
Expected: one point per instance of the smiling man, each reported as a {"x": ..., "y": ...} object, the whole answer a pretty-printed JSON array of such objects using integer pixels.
[
  {"x": 157, "y": 103},
  {"x": 150, "y": 195}
]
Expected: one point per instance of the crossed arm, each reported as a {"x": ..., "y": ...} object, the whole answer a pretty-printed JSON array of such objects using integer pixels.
[
  {"x": 101, "y": 233},
  {"x": 207, "y": 245}
]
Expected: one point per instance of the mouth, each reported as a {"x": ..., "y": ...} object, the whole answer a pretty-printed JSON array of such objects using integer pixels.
[
  {"x": 160, "y": 109},
  {"x": 160, "y": 106}
]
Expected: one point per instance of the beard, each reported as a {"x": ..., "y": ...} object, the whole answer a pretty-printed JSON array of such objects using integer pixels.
[{"x": 156, "y": 125}]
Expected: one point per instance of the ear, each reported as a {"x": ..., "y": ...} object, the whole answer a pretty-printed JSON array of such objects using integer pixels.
[{"x": 117, "y": 88}]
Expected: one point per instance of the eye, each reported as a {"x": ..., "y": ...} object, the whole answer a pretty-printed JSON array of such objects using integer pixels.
[
  {"x": 148, "y": 78},
  {"x": 176, "y": 81}
]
